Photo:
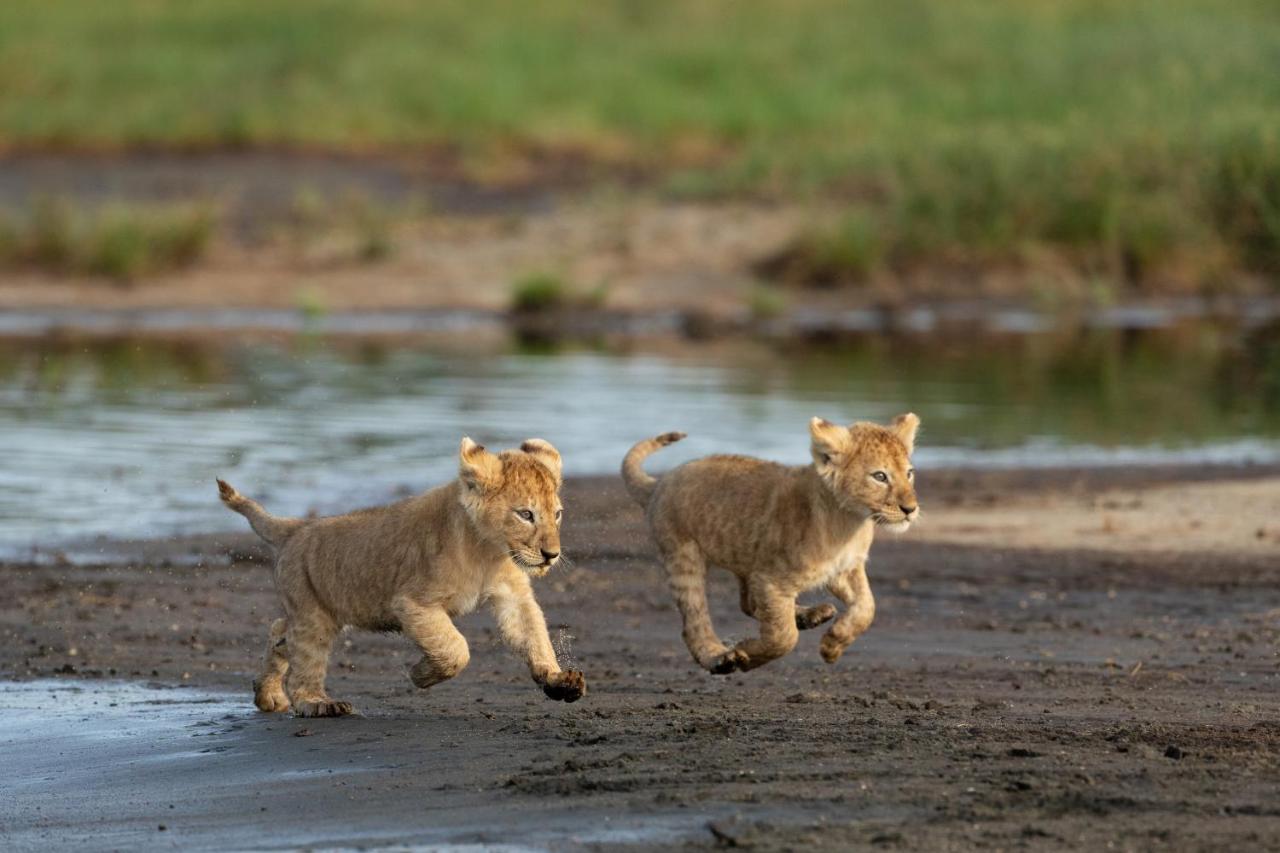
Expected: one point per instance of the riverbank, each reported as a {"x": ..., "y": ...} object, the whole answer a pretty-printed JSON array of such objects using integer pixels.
[
  {"x": 1067, "y": 135},
  {"x": 273, "y": 230},
  {"x": 1059, "y": 658}
]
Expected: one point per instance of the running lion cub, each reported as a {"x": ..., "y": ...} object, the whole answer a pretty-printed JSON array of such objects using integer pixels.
[
  {"x": 412, "y": 566},
  {"x": 781, "y": 531}
]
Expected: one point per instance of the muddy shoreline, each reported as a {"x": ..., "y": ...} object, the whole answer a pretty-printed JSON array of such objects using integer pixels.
[
  {"x": 1006, "y": 697},
  {"x": 957, "y": 317}
]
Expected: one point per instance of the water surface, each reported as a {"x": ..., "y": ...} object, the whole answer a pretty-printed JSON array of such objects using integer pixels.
[{"x": 122, "y": 437}]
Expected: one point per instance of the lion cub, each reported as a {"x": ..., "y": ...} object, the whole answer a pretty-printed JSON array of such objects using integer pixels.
[
  {"x": 781, "y": 531},
  {"x": 412, "y": 566}
]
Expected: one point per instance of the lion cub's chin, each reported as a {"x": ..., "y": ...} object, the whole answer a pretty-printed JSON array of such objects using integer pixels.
[
  {"x": 896, "y": 526},
  {"x": 535, "y": 570}
]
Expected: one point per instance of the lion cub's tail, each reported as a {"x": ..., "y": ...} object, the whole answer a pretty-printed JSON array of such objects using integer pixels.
[
  {"x": 273, "y": 529},
  {"x": 640, "y": 484}
]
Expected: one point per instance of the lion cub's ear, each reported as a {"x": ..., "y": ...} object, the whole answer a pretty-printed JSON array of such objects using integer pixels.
[
  {"x": 904, "y": 427},
  {"x": 544, "y": 453},
  {"x": 829, "y": 441},
  {"x": 478, "y": 468}
]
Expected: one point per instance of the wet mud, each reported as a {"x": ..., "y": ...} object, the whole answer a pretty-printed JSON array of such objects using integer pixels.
[{"x": 1005, "y": 698}]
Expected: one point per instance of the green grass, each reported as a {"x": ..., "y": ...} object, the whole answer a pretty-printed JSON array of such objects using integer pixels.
[
  {"x": 765, "y": 303},
  {"x": 846, "y": 252},
  {"x": 544, "y": 292},
  {"x": 121, "y": 244},
  {"x": 539, "y": 292},
  {"x": 1116, "y": 129}
]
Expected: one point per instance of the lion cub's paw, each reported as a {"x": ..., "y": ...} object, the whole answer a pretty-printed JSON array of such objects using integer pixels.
[
  {"x": 732, "y": 660},
  {"x": 831, "y": 648},
  {"x": 323, "y": 708},
  {"x": 268, "y": 700},
  {"x": 814, "y": 616},
  {"x": 566, "y": 686}
]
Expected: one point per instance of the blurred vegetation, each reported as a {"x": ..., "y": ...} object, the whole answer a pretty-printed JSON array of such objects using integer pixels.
[
  {"x": 118, "y": 243},
  {"x": 539, "y": 292},
  {"x": 1165, "y": 217},
  {"x": 765, "y": 302},
  {"x": 351, "y": 227},
  {"x": 1138, "y": 138},
  {"x": 547, "y": 292}
]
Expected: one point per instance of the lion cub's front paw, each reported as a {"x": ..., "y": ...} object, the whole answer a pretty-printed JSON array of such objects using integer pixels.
[
  {"x": 731, "y": 661},
  {"x": 567, "y": 686},
  {"x": 322, "y": 708},
  {"x": 831, "y": 648},
  {"x": 270, "y": 698}
]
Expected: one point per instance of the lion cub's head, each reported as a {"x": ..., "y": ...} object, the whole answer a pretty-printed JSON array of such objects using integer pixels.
[
  {"x": 868, "y": 467},
  {"x": 514, "y": 498}
]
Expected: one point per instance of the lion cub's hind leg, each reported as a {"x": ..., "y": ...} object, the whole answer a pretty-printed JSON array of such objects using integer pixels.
[
  {"x": 687, "y": 575},
  {"x": 776, "y": 613},
  {"x": 268, "y": 687},
  {"x": 308, "y": 639},
  {"x": 444, "y": 649},
  {"x": 806, "y": 617},
  {"x": 812, "y": 617}
]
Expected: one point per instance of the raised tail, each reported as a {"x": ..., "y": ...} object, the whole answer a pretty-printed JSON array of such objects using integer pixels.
[
  {"x": 639, "y": 484},
  {"x": 273, "y": 529}
]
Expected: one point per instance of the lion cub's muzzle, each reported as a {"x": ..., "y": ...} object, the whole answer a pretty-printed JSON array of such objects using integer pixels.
[
  {"x": 897, "y": 518},
  {"x": 539, "y": 562}
]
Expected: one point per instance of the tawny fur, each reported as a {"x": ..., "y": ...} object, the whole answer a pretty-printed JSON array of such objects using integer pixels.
[
  {"x": 781, "y": 531},
  {"x": 413, "y": 566}
]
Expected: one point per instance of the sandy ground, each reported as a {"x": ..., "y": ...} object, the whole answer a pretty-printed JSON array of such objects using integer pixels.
[
  {"x": 1059, "y": 661},
  {"x": 1229, "y": 518}
]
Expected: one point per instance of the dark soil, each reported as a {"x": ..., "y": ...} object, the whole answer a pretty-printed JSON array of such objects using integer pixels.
[{"x": 1003, "y": 699}]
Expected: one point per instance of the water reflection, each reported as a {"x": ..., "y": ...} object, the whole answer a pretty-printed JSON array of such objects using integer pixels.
[{"x": 123, "y": 437}]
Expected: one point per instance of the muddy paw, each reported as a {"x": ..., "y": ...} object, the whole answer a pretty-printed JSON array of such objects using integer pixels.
[
  {"x": 732, "y": 660},
  {"x": 270, "y": 699},
  {"x": 831, "y": 649},
  {"x": 323, "y": 708},
  {"x": 814, "y": 616},
  {"x": 568, "y": 686}
]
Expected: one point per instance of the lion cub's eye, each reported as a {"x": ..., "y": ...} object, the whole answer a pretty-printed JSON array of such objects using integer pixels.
[
  {"x": 911, "y": 473},
  {"x": 559, "y": 513},
  {"x": 525, "y": 514},
  {"x": 880, "y": 476}
]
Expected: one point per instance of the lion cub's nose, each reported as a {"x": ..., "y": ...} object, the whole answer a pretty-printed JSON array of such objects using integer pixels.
[
  {"x": 907, "y": 510},
  {"x": 549, "y": 555}
]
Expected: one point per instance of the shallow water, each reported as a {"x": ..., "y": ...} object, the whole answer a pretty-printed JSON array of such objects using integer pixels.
[
  {"x": 135, "y": 766},
  {"x": 59, "y": 713},
  {"x": 123, "y": 437}
]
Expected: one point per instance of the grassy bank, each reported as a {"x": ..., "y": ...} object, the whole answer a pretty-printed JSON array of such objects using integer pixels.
[
  {"x": 121, "y": 244},
  {"x": 1133, "y": 136}
]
